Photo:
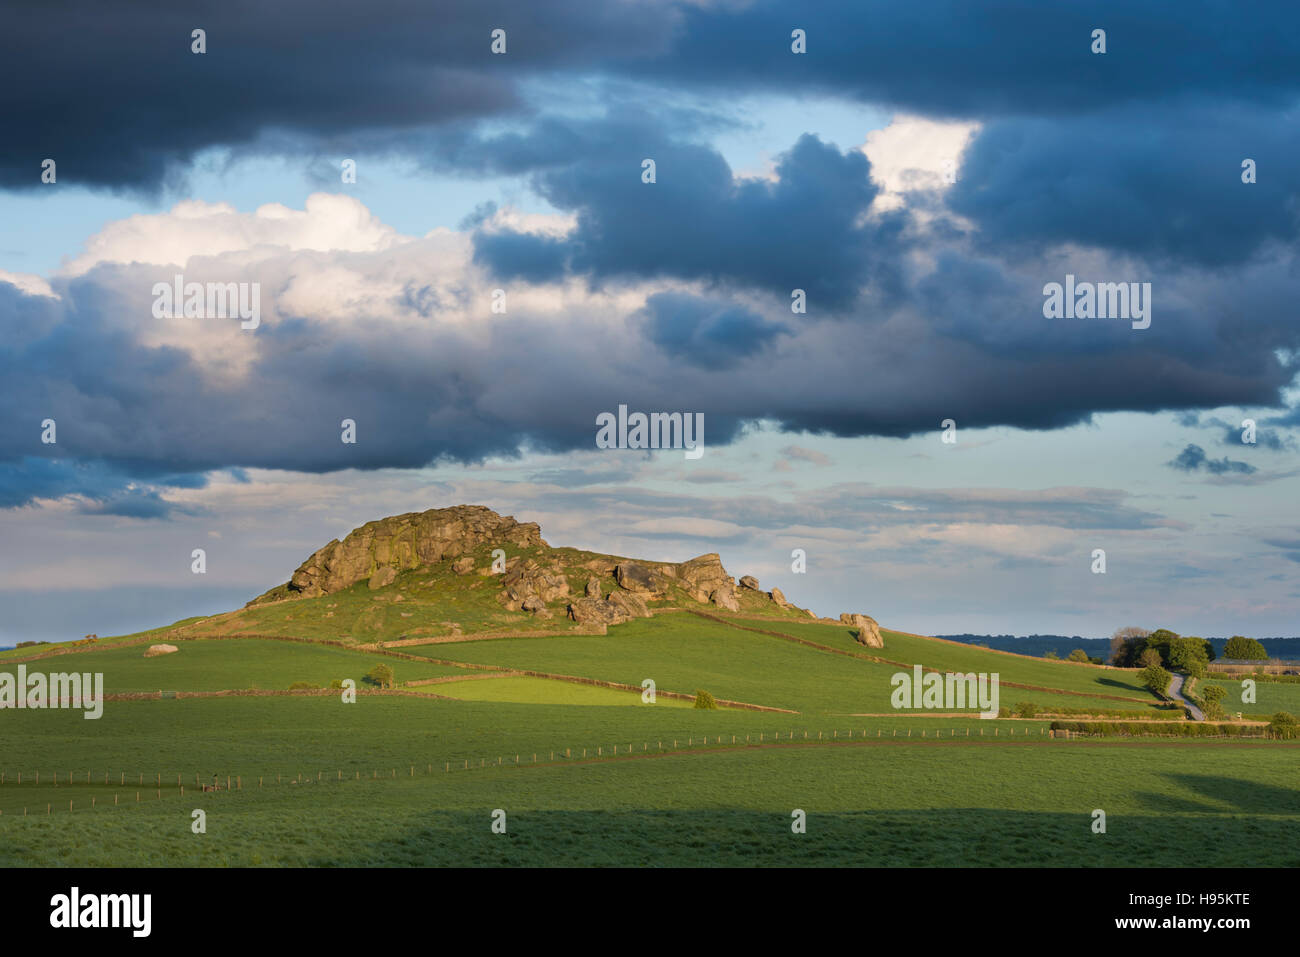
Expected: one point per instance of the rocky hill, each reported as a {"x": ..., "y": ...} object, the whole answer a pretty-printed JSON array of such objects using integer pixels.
[{"x": 534, "y": 579}]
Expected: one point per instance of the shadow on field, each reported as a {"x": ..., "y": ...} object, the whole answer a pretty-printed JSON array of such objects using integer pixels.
[
  {"x": 973, "y": 837},
  {"x": 1241, "y": 796}
]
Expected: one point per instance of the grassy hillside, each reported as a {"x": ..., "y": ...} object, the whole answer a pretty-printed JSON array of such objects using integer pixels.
[
  {"x": 232, "y": 664},
  {"x": 592, "y": 774}
]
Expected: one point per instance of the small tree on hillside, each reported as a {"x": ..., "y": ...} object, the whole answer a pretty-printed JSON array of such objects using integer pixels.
[
  {"x": 1212, "y": 698},
  {"x": 1244, "y": 649},
  {"x": 704, "y": 700},
  {"x": 1156, "y": 679},
  {"x": 381, "y": 675},
  {"x": 1078, "y": 655}
]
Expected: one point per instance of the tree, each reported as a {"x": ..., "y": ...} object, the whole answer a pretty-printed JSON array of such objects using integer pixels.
[
  {"x": 1150, "y": 656},
  {"x": 381, "y": 675},
  {"x": 1189, "y": 655},
  {"x": 1078, "y": 655},
  {"x": 1283, "y": 725},
  {"x": 1156, "y": 679},
  {"x": 704, "y": 700},
  {"x": 1052, "y": 655},
  {"x": 1212, "y": 699},
  {"x": 1126, "y": 645},
  {"x": 1244, "y": 649},
  {"x": 1160, "y": 640}
]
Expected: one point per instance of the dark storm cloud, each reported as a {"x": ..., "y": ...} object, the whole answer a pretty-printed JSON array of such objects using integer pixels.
[
  {"x": 952, "y": 57},
  {"x": 697, "y": 221},
  {"x": 706, "y": 333},
  {"x": 114, "y": 94},
  {"x": 1152, "y": 182}
]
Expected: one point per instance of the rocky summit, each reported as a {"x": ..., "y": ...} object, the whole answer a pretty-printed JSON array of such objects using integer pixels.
[
  {"x": 377, "y": 551},
  {"x": 532, "y": 578}
]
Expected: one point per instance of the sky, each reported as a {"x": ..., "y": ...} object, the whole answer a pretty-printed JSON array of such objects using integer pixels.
[{"x": 922, "y": 172}]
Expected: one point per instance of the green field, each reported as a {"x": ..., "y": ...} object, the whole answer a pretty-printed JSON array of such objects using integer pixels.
[
  {"x": 1270, "y": 697},
  {"x": 526, "y": 690},
  {"x": 591, "y": 775},
  {"x": 684, "y": 652},
  {"x": 232, "y": 664},
  {"x": 883, "y": 802}
]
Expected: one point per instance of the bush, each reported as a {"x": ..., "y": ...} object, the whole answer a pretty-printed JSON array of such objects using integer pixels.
[
  {"x": 302, "y": 686},
  {"x": 381, "y": 675},
  {"x": 1026, "y": 709},
  {"x": 1212, "y": 700},
  {"x": 704, "y": 700},
  {"x": 1180, "y": 729},
  {"x": 336, "y": 684},
  {"x": 1078, "y": 655},
  {"x": 1283, "y": 725},
  {"x": 1156, "y": 679}
]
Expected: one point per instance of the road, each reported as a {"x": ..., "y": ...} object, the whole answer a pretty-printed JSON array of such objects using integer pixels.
[{"x": 1176, "y": 692}]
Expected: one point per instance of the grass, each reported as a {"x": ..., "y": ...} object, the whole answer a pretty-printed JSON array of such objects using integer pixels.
[
  {"x": 683, "y": 652},
  {"x": 523, "y": 689},
  {"x": 866, "y": 806},
  {"x": 232, "y": 664},
  {"x": 1270, "y": 697}
]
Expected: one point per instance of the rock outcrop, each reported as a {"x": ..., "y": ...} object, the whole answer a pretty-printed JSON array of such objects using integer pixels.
[
  {"x": 156, "y": 650},
  {"x": 619, "y": 607},
  {"x": 528, "y": 585},
  {"x": 641, "y": 578},
  {"x": 378, "y": 553},
  {"x": 393, "y": 545},
  {"x": 703, "y": 575},
  {"x": 868, "y": 632}
]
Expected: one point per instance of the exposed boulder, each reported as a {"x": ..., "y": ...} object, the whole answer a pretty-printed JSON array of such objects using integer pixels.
[
  {"x": 630, "y": 603},
  {"x": 593, "y": 588},
  {"x": 725, "y": 597},
  {"x": 779, "y": 598},
  {"x": 750, "y": 582},
  {"x": 619, "y": 607},
  {"x": 463, "y": 565},
  {"x": 403, "y": 542},
  {"x": 155, "y": 650},
  {"x": 703, "y": 575},
  {"x": 536, "y": 606},
  {"x": 641, "y": 578},
  {"x": 868, "y": 632}
]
